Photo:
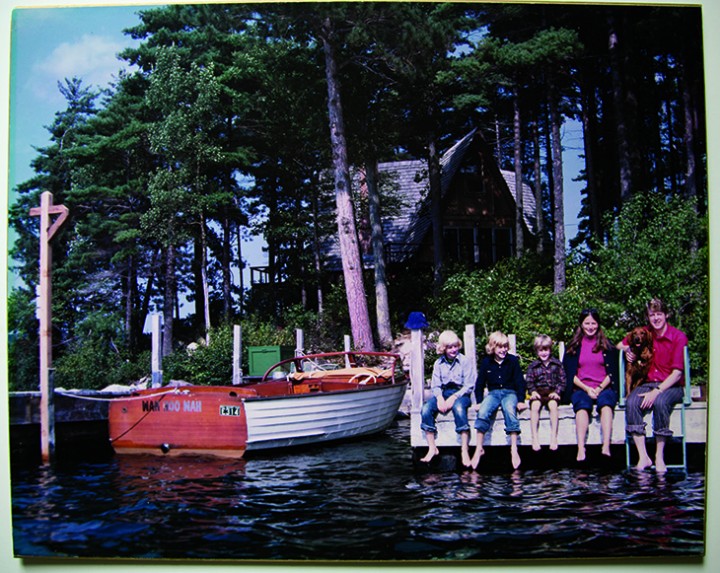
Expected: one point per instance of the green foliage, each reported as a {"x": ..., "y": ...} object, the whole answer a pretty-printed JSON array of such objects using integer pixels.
[
  {"x": 23, "y": 352},
  {"x": 514, "y": 297},
  {"x": 657, "y": 248},
  {"x": 96, "y": 358},
  {"x": 203, "y": 364}
]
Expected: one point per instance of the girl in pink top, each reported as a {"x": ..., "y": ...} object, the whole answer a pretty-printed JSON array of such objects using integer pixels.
[{"x": 591, "y": 365}]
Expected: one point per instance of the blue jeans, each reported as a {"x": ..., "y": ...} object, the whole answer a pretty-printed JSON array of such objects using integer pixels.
[
  {"x": 459, "y": 410},
  {"x": 505, "y": 399},
  {"x": 662, "y": 409}
]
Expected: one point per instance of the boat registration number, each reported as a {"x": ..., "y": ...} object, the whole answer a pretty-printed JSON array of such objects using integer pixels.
[{"x": 229, "y": 410}]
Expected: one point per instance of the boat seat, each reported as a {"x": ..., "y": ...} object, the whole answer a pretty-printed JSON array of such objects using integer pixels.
[
  {"x": 360, "y": 376},
  {"x": 686, "y": 401}
]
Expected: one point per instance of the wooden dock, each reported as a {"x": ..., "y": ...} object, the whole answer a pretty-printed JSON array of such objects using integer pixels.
[
  {"x": 418, "y": 393},
  {"x": 80, "y": 421},
  {"x": 695, "y": 428}
]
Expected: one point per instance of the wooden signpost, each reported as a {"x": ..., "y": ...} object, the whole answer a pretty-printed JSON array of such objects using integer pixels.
[{"x": 48, "y": 228}]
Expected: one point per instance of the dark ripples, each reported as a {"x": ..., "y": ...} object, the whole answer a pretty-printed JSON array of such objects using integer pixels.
[{"x": 357, "y": 502}]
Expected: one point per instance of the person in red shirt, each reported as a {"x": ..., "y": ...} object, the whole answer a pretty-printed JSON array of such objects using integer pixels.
[{"x": 663, "y": 389}]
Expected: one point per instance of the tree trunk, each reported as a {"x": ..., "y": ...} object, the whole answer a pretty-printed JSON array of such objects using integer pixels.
[
  {"x": 226, "y": 268},
  {"x": 145, "y": 303},
  {"x": 589, "y": 114},
  {"x": 548, "y": 156},
  {"x": 559, "y": 210},
  {"x": 688, "y": 138},
  {"x": 517, "y": 161},
  {"x": 623, "y": 144},
  {"x": 203, "y": 276},
  {"x": 382, "y": 304},
  {"x": 241, "y": 269},
  {"x": 316, "y": 255},
  {"x": 347, "y": 233},
  {"x": 169, "y": 300},
  {"x": 129, "y": 286},
  {"x": 537, "y": 176},
  {"x": 436, "y": 214}
]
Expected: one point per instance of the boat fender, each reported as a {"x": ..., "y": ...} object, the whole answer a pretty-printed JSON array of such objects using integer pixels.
[{"x": 165, "y": 448}]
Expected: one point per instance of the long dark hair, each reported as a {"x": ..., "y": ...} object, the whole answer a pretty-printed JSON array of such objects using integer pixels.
[{"x": 601, "y": 341}]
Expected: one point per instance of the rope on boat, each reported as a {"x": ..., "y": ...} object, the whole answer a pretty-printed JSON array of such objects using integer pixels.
[{"x": 128, "y": 398}]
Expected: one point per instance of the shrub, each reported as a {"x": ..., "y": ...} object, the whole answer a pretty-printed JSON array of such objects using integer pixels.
[{"x": 656, "y": 247}]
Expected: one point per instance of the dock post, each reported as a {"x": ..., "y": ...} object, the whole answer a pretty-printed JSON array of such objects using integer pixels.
[
  {"x": 49, "y": 429},
  {"x": 417, "y": 371},
  {"x": 469, "y": 346},
  {"x": 48, "y": 228},
  {"x": 299, "y": 342},
  {"x": 470, "y": 350},
  {"x": 347, "y": 349},
  {"x": 156, "y": 352},
  {"x": 237, "y": 355}
]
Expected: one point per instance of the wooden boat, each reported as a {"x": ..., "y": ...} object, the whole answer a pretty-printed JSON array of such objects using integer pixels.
[{"x": 303, "y": 400}]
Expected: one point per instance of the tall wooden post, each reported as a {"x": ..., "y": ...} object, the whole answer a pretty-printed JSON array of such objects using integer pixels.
[
  {"x": 237, "y": 374},
  {"x": 299, "y": 342},
  {"x": 48, "y": 228},
  {"x": 156, "y": 352},
  {"x": 417, "y": 371},
  {"x": 347, "y": 347}
]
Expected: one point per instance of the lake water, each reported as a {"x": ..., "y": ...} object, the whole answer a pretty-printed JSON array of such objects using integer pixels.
[{"x": 362, "y": 501}]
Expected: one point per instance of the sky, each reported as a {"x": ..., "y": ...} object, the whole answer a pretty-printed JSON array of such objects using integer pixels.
[{"x": 50, "y": 44}]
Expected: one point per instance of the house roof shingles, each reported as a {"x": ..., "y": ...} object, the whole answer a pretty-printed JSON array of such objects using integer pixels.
[{"x": 411, "y": 218}]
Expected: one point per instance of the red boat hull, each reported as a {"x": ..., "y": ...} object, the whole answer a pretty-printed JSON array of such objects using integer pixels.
[{"x": 206, "y": 420}]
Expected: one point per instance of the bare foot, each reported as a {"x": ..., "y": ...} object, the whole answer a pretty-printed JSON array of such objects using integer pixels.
[
  {"x": 515, "y": 457},
  {"x": 465, "y": 459},
  {"x": 432, "y": 452},
  {"x": 553, "y": 445},
  {"x": 581, "y": 455},
  {"x": 643, "y": 464},
  {"x": 476, "y": 457},
  {"x": 606, "y": 451},
  {"x": 660, "y": 466},
  {"x": 536, "y": 445}
]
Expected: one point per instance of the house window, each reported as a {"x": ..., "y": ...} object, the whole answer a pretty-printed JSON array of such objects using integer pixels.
[
  {"x": 502, "y": 243},
  {"x": 459, "y": 245},
  {"x": 477, "y": 247}
]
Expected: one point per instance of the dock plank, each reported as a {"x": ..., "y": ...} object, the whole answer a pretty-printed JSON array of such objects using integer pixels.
[{"x": 695, "y": 424}]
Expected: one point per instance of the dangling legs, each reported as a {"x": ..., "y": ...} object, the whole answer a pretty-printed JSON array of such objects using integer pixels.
[
  {"x": 432, "y": 448},
  {"x": 428, "y": 413},
  {"x": 582, "y": 421},
  {"x": 554, "y": 423},
  {"x": 465, "y": 448},
  {"x": 514, "y": 455},
  {"x": 606, "y": 422},
  {"x": 535, "y": 423},
  {"x": 479, "y": 451}
]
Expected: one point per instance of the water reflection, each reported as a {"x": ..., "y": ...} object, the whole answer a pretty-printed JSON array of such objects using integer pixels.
[{"x": 359, "y": 502}]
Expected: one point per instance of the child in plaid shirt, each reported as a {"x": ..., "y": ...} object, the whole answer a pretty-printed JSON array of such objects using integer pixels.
[{"x": 545, "y": 381}]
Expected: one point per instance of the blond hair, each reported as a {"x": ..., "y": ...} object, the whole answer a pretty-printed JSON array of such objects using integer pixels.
[
  {"x": 542, "y": 341},
  {"x": 496, "y": 339},
  {"x": 447, "y": 338}
]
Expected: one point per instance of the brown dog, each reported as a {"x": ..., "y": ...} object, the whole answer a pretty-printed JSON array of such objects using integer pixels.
[{"x": 640, "y": 341}]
